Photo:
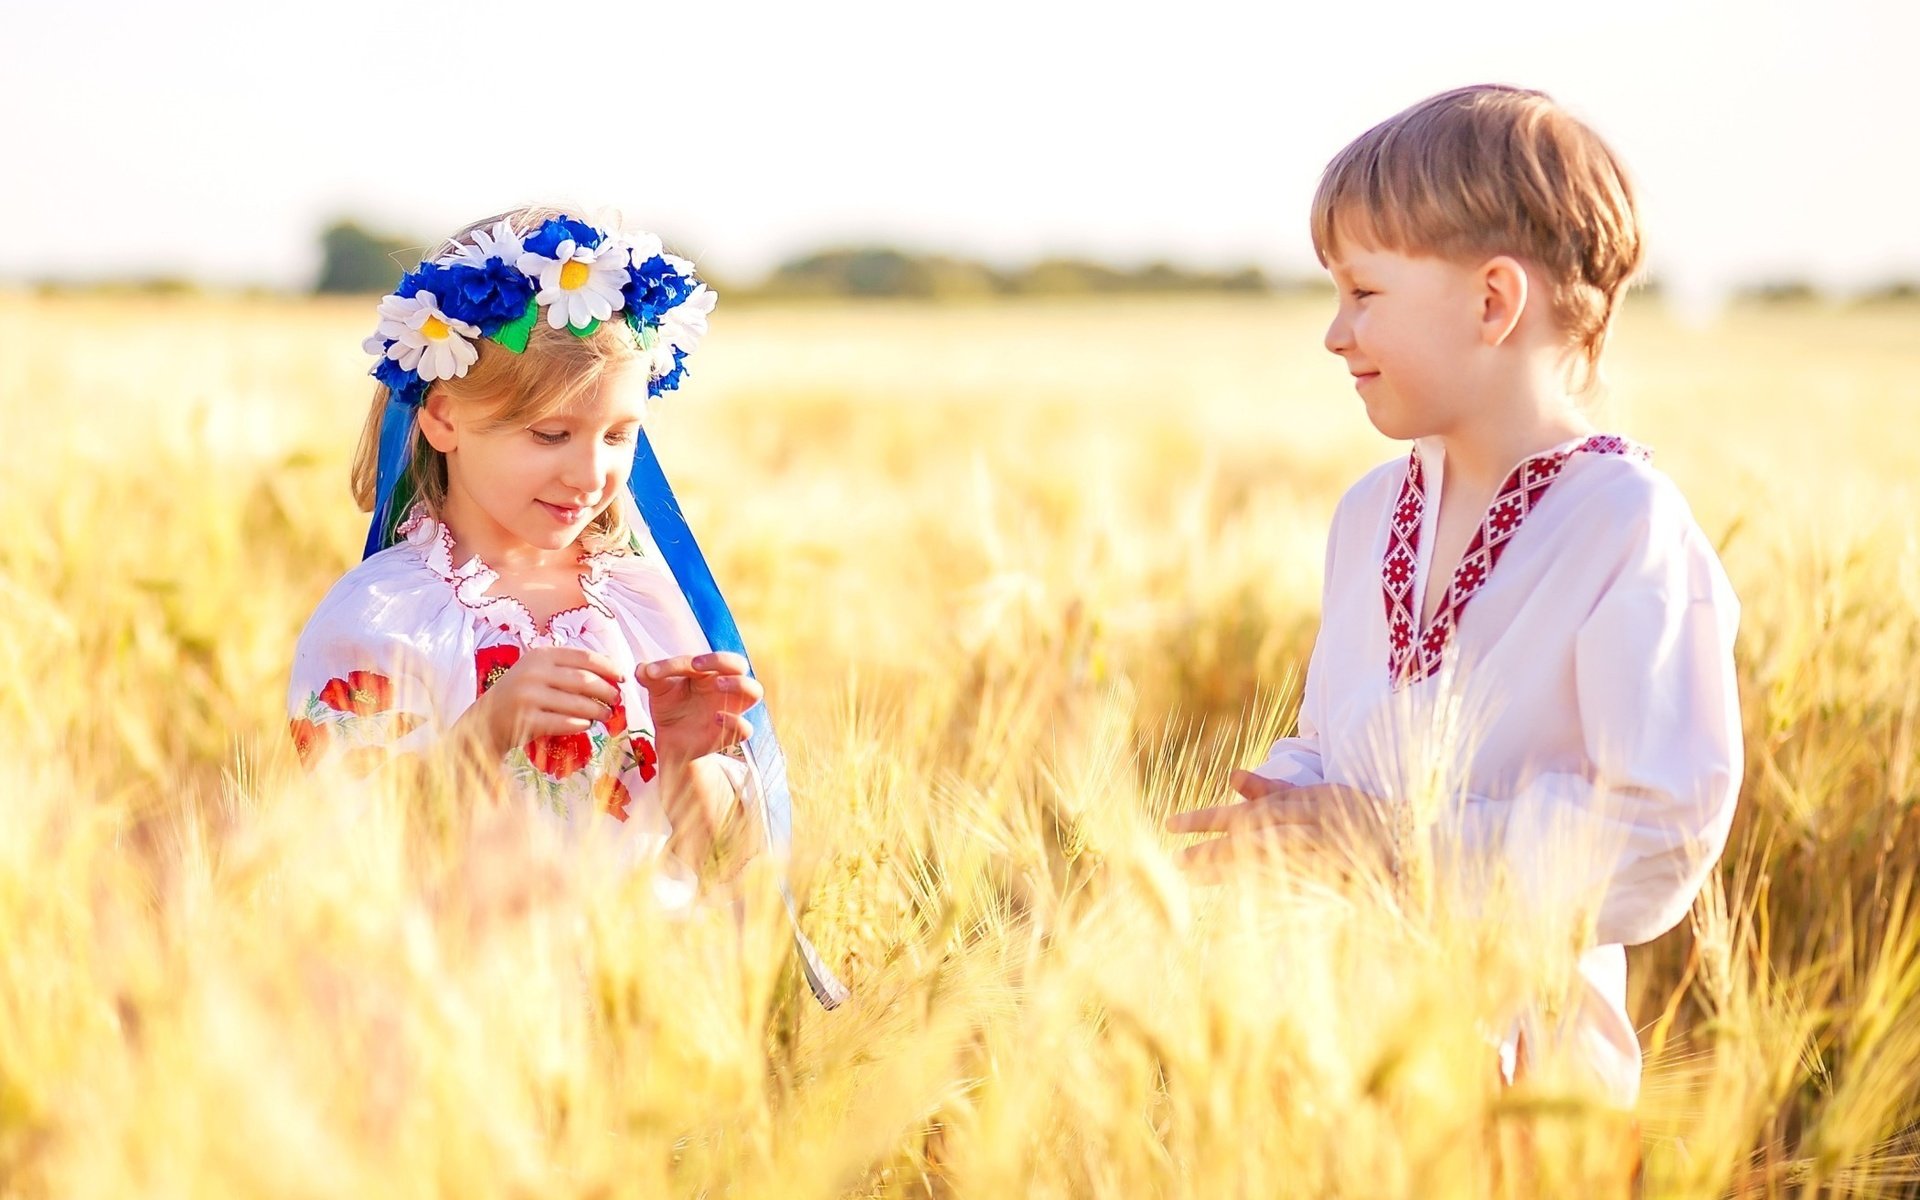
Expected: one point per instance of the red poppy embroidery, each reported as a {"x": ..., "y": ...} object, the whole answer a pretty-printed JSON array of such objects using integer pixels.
[
  {"x": 645, "y": 757},
  {"x": 555, "y": 756},
  {"x": 490, "y": 663},
  {"x": 560, "y": 755},
  {"x": 309, "y": 739},
  {"x": 361, "y": 693},
  {"x": 1411, "y": 658},
  {"x": 618, "y": 799}
]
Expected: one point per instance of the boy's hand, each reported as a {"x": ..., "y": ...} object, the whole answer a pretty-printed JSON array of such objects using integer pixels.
[
  {"x": 696, "y": 701},
  {"x": 1276, "y": 818},
  {"x": 551, "y": 690}
]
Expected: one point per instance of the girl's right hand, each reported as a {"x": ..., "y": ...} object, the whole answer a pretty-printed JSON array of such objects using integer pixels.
[{"x": 551, "y": 690}]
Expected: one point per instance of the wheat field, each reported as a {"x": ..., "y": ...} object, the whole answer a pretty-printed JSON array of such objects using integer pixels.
[{"x": 1020, "y": 578}]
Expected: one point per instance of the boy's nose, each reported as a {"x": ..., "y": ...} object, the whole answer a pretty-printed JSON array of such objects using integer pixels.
[{"x": 1337, "y": 339}]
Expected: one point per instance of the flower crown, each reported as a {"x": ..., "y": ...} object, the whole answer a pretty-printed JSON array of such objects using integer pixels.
[{"x": 495, "y": 286}]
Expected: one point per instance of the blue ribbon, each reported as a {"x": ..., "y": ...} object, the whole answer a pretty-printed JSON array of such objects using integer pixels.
[
  {"x": 661, "y": 511},
  {"x": 768, "y": 764},
  {"x": 396, "y": 437}
]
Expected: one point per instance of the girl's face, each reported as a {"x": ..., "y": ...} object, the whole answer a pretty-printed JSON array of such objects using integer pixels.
[{"x": 537, "y": 485}]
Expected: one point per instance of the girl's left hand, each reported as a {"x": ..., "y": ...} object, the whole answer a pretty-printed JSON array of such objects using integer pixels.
[
  {"x": 696, "y": 701},
  {"x": 1277, "y": 817}
]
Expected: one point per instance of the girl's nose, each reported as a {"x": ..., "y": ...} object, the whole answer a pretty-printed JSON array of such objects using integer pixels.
[{"x": 586, "y": 469}]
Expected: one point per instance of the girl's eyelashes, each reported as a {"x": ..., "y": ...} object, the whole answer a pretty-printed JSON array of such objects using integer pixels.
[
  {"x": 1359, "y": 293},
  {"x": 546, "y": 437}
]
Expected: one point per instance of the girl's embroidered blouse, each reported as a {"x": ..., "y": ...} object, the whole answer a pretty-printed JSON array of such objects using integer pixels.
[
  {"x": 1584, "y": 697},
  {"x": 407, "y": 640}
]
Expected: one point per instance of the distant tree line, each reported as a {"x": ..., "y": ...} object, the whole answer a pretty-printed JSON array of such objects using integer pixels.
[
  {"x": 885, "y": 271},
  {"x": 357, "y": 260},
  {"x": 354, "y": 259}
]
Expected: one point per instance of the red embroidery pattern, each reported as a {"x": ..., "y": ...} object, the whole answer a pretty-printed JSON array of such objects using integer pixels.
[
  {"x": 310, "y": 740},
  {"x": 356, "y": 706},
  {"x": 559, "y": 755},
  {"x": 618, "y": 798},
  {"x": 490, "y": 663},
  {"x": 1413, "y": 655},
  {"x": 645, "y": 757},
  {"x": 361, "y": 693}
]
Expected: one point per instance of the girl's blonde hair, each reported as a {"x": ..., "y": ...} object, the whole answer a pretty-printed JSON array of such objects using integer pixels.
[
  {"x": 515, "y": 389},
  {"x": 1488, "y": 170}
]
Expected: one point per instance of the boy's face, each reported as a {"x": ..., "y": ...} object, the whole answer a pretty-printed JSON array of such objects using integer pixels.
[{"x": 1408, "y": 329}]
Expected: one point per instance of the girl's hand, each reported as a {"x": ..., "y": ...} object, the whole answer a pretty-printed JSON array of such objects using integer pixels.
[
  {"x": 551, "y": 690},
  {"x": 1278, "y": 817},
  {"x": 696, "y": 701}
]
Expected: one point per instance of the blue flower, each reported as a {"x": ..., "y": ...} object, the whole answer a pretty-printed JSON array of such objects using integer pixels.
[
  {"x": 405, "y": 385},
  {"x": 653, "y": 287},
  {"x": 489, "y": 296},
  {"x": 428, "y": 277},
  {"x": 671, "y": 380},
  {"x": 563, "y": 229}
]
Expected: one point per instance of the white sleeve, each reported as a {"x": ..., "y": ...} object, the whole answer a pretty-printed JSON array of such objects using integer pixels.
[
  {"x": 1630, "y": 846},
  {"x": 676, "y": 885},
  {"x": 1296, "y": 759},
  {"x": 357, "y": 692}
]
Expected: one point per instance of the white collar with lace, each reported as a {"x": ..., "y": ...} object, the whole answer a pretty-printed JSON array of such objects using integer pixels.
[{"x": 469, "y": 581}]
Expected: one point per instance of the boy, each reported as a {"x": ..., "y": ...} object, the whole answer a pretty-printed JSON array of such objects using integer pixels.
[{"x": 1546, "y": 576}]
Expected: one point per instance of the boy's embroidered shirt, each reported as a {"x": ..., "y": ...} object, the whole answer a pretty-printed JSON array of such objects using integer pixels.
[
  {"x": 1576, "y": 687},
  {"x": 1412, "y": 653},
  {"x": 407, "y": 640}
]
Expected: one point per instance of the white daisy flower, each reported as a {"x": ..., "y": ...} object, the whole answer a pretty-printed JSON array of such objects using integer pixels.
[
  {"x": 426, "y": 340},
  {"x": 579, "y": 284},
  {"x": 659, "y": 352},
  {"x": 685, "y": 323},
  {"x": 500, "y": 242},
  {"x": 643, "y": 247}
]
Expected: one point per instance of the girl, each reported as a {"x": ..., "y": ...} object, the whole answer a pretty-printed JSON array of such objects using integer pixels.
[
  {"x": 1516, "y": 565},
  {"x": 514, "y": 600}
]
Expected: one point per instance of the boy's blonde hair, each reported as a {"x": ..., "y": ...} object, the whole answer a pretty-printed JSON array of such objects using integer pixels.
[
  {"x": 516, "y": 389},
  {"x": 1487, "y": 170}
]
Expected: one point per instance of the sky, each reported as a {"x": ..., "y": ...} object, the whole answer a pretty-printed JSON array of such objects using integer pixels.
[{"x": 1769, "y": 139}]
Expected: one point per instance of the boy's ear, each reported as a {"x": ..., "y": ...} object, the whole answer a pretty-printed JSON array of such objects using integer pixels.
[
  {"x": 1503, "y": 297},
  {"x": 435, "y": 422}
]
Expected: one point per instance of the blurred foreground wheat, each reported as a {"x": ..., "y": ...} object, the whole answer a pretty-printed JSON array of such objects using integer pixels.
[{"x": 1021, "y": 579}]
